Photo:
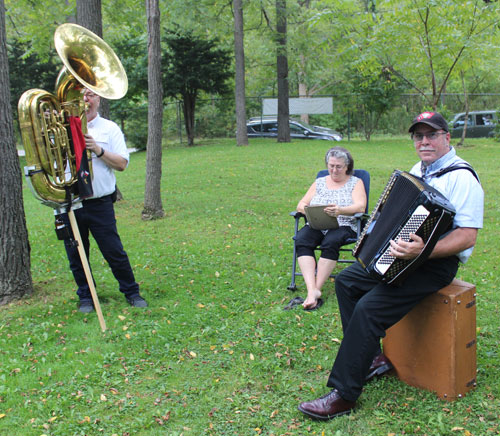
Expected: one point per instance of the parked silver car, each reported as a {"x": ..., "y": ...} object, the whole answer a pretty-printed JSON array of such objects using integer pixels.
[{"x": 268, "y": 127}]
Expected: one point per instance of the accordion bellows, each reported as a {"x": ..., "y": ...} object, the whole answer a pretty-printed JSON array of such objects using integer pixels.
[{"x": 407, "y": 205}]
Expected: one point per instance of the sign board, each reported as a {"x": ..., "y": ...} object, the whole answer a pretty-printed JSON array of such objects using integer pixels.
[{"x": 298, "y": 106}]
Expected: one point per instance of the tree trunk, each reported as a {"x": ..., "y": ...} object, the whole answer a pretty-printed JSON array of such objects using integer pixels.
[
  {"x": 239, "y": 55},
  {"x": 188, "y": 106},
  {"x": 15, "y": 274},
  {"x": 282, "y": 69},
  {"x": 89, "y": 15},
  {"x": 152, "y": 197},
  {"x": 466, "y": 103},
  {"x": 303, "y": 91},
  {"x": 303, "y": 94}
]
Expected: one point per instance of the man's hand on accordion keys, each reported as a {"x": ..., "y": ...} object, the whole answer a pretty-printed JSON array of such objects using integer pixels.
[{"x": 402, "y": 249}]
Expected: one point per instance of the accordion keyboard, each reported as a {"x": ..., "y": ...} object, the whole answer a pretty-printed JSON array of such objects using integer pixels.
[{"x": 416, "y": 220}]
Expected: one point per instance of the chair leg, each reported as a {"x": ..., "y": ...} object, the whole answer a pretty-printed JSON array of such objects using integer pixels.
[{"x": 293, "y": 286}]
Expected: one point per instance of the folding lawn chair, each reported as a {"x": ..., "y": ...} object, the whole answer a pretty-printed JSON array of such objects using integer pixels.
[{"x": 361, "y": 219}]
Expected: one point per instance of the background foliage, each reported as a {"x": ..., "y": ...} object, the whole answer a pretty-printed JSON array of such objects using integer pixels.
[{"x": 360, "y": 52}]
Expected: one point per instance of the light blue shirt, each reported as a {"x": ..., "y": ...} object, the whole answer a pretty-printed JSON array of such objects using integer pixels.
[{"x": 461, "y": 189}]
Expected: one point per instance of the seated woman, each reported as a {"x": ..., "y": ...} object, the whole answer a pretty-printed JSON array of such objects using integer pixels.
[{"x": 343, "y": 195}]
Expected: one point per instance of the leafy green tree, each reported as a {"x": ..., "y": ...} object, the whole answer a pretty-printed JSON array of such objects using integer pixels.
[
  {"x": 192, "y": 65},
  {"x": 131, "y": 111},
  {"x": 375, "y": 94},
  {"x": 28, "y": 71},
  {"x": 15, "y": 274},
  {"x": 430, "y": 42}
]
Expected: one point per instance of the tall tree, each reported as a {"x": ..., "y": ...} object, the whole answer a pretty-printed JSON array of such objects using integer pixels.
[
  {"x": 15, "y": 274},
  {"x": 282, "y": 72},
  {"x": 239, "y": 56},
  {"x": 192, "y": 65},
  {"x": 89, "y": 15},
  {"x": 152, "y": 196},
  {"x": 439, "y": 37}
]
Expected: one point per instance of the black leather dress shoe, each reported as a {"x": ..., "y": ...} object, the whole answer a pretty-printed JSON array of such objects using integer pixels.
[
  {"x": 328, "y": 406},
  {"x": 380, "y": 365}
]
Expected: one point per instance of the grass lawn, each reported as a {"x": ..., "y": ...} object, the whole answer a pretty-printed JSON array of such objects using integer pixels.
[{"x": 215, "y": 353}]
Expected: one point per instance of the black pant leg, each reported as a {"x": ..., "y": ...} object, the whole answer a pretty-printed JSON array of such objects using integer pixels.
[{"x": 368, "y": 314}]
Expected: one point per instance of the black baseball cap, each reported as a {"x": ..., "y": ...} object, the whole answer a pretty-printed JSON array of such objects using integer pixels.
[{"x": 433, "y": 119}]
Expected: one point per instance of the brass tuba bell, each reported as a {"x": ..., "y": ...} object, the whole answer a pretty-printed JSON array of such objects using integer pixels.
[{"x": 43, "y": 117}]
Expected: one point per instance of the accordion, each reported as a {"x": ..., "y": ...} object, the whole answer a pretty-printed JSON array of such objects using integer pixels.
[{"x": 407, "y": 205}]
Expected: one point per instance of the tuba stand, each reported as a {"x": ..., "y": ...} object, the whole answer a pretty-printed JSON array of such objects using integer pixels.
[
  {"x": 86, "y": 268},
  {"x": 76, "y": 240}
]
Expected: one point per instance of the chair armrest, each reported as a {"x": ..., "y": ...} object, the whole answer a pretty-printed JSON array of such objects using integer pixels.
[
  {"x": 296, "y": 214},
  {"x": 361, "y": 216}
]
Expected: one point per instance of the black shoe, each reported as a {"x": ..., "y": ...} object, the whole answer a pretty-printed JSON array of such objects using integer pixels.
[
  {"x": 137, "y": 301},
  {"x": 86, "y": 306},
  {"x": 380, "y": 366},
  {"x": 319, "y": 303},
  {"x": 328, "y": 406},
  {"x": 293, "y": 303}
]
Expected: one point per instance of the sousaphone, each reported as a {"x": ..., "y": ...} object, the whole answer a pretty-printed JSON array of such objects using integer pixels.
[{"x": 90, "y": 63}]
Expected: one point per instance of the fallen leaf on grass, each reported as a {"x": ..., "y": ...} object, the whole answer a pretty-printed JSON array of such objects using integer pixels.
[{"x": 160, "y": 420}]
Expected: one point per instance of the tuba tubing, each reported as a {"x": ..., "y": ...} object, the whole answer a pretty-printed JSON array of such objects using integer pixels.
[{"x": 43, "y": 117}]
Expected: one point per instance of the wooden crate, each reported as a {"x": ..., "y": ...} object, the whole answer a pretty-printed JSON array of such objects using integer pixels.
[{"x": 434, "y": 346}]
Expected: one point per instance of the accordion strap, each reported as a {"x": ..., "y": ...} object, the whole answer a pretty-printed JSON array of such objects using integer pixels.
[{"x": 460, "y": 166}]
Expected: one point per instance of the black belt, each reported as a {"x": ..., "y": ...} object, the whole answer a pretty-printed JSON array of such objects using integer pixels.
[{"x": 98, "y": 200}]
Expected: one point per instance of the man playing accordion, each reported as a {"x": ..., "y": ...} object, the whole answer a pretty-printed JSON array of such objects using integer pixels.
[{"x": 368, "y": 307}]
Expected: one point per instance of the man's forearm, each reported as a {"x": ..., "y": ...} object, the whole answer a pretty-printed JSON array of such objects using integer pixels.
[{"x": 454, "y": 242}]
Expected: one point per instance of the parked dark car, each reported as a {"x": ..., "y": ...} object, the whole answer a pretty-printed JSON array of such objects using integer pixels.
[
  {"x": 268, "y": 127},
  {"x": 480, "y": 124}
]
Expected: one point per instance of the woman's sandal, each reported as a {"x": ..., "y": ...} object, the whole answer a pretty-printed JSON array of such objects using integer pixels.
[
  {"x": 294, "y": 302},
  {"x": 319, "y": 303}
]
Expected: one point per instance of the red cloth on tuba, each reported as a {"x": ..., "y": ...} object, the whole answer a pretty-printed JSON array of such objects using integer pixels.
[{"x": 82, "y": 164}]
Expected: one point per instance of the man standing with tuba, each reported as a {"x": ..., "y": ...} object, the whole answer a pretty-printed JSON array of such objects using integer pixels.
[
  {"x": 368, "y": 307},
  {"x": 97, "y": 216}
]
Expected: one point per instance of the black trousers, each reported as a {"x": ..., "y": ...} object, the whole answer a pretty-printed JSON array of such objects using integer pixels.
[
  {"x": 97, "y": 217},
  {"x": 368, "y": 308},
  {"x": 308, "y": 239}
]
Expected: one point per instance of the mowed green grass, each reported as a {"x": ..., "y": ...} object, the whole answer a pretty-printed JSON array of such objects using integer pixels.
[{"x": 215, "y": 353}]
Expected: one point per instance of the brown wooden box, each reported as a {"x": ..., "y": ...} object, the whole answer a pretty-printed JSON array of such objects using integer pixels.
[{"x": 434, "y": 346}]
